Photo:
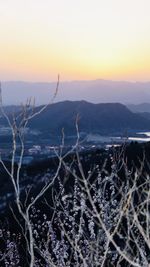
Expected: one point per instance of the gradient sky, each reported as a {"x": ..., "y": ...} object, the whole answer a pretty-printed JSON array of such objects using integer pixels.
[{"x": 81, "y": 39}]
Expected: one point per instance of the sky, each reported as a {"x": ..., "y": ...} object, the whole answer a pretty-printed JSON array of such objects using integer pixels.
[{"x": 80, "y": 40}]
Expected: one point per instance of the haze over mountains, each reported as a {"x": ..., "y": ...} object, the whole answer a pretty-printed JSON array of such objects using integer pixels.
[{"x": 96, "y": 91}]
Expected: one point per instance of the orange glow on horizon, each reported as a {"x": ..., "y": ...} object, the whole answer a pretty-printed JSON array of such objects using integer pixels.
[{"x": 80, "y": 40}]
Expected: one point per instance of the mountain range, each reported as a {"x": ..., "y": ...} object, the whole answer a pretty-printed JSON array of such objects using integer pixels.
[
  {"x": 95, "y": 91},
  {"x": 104, "y": 118},
  {"x": 108, "y": 119}
]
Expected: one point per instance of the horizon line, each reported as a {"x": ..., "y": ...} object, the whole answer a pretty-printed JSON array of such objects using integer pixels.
[{"x": 75, "y": 80}]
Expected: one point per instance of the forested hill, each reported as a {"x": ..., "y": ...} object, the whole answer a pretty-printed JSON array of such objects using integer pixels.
[{"x": 93, "y": 118}]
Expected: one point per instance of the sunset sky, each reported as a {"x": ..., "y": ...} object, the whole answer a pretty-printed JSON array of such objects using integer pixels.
[{"x": 81, "y": 39}]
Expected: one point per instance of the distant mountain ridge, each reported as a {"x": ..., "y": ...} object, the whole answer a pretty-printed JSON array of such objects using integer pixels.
[
  {"x": 139, "y": 108},
  {"x": 105, "y": 118},
  {"x": 95, "y": 91}
]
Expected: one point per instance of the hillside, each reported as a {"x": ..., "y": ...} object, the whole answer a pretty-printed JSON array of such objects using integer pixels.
[
  {"x": 74, "y": 198},
  {"x": 93, "y": 118},
  {"x": 145, "y": 115},
  {"x": 140, "y": 108}
]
